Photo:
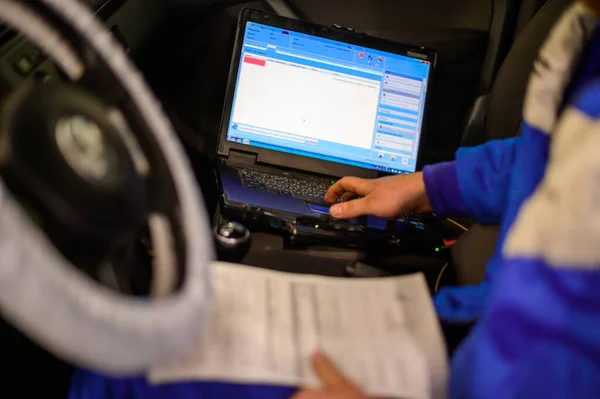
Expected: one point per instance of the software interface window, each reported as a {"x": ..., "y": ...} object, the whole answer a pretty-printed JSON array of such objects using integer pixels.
[{"x": 320, "y": 98}]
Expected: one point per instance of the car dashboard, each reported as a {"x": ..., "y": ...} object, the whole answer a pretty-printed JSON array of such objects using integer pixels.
[{"x": 21, "y": 61}]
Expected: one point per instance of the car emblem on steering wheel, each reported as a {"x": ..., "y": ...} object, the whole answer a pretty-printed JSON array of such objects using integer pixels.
[{"x": 82, "y": 144}]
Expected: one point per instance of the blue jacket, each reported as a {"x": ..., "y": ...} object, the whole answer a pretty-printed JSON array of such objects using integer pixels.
[{"x": 538, "y": 310}]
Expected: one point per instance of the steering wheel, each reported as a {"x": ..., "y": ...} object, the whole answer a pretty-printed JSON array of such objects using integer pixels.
[{"x": 87, "y": 165}]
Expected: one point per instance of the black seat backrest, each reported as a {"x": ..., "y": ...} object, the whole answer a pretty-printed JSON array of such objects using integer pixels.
[
  {"x": 501, "y": 111},
  {"x": 500, "y": 115}
]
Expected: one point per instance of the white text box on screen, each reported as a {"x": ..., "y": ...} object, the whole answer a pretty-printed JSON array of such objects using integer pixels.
[
  {"x": 392, "y": 129},
  {"x": 403, "y": 87},
  {"x": 307, "y": 102},
  {"x": 399, "y": 121},
  {"x": 393, "y": 139},
  {"x": 403, "y": 114},
  {"x": 400, "y": 98},
  {"x": 400, "y": 104},
  {"x": 400, "y": 80},
  {"x": 395, "y": 146}
]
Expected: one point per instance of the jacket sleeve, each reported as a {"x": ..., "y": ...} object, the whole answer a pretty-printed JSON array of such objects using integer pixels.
[
  {"x": 476, "y": 184},
  {"x": 540, "y": 334}
]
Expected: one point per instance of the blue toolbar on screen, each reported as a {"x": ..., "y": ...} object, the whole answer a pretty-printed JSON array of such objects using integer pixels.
[{"x": 329, "y": 100}]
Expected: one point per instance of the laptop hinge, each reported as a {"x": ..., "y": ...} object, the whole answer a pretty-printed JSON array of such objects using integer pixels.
[{"x": 241, "y": 158}]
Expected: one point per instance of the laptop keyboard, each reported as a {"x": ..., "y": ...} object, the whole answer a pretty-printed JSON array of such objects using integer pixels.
[
  {"x": 305, "y": 189},
  {"x": 412, "y": 217},
  {"x": 284, "y": 185}
]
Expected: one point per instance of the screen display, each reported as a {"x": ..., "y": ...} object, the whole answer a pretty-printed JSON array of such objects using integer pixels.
[{"x": 329, "y": 100}]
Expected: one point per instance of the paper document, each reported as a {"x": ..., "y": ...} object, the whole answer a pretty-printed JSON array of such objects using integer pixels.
[{"x": 265, "y": 325}]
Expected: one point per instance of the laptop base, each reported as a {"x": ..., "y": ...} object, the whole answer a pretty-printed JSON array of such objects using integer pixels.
[{"x": 321, "y": 231}]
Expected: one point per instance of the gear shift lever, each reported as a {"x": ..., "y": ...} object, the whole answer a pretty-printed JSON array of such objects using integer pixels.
[{"x": 232, "y": 241}]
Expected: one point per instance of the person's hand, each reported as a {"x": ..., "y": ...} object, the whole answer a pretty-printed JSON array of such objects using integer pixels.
[
  {"x": 387, "y": 197},
  {"x": 334, "y": 384}
]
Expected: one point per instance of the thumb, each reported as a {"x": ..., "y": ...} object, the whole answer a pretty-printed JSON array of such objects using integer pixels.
[
  {"x": 329, "y": 374},
  {"x": 350, "y": 209}
]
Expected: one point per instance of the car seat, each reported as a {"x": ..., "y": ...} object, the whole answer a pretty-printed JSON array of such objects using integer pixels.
[{"x": 498, "y": 115}]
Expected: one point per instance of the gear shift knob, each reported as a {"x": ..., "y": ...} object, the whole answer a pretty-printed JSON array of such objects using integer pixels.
[{"x": 232, "y": 241}]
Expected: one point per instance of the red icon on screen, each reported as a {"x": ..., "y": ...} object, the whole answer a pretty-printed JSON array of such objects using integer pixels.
[
  {"x": 380, "y": 59},
  {"x": 361, "y": 55}
]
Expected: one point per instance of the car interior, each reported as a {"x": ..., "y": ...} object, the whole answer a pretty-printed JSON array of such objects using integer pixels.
[{"x": 183, "y": 49}]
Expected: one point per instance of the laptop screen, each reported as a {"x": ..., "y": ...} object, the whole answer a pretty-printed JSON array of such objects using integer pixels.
[{"x": 316, "y": 97}]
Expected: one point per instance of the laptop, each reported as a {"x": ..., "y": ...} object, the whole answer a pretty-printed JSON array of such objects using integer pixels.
[{"x": 308, "y": 104}]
